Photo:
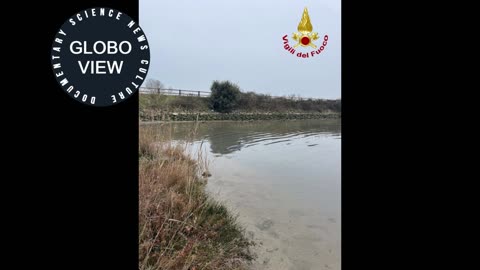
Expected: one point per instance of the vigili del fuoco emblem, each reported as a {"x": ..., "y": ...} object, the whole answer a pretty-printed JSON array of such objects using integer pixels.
[{"x": 305, "y": 37}]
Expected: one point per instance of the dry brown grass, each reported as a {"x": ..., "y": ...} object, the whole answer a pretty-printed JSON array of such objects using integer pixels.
[{"x": 181, "y": 227}]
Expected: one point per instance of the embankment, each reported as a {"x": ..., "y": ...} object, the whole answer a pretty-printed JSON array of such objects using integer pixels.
[
  {"x": 147, "y": 116},
  {"x": 180, "y": 225}
]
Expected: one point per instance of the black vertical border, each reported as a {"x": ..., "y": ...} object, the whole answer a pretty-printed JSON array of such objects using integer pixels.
[
  {"x": 86, "y": 170},
  {"x": 376, "y": 126},
  {"x": 359, "y": 121}
]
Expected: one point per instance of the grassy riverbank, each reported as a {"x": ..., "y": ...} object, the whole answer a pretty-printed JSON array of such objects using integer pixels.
[
  {"x": 155, "y": 107},
  {"x": 181, "y": 226}
]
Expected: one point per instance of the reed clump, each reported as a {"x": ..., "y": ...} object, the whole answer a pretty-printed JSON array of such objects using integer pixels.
[{"x": 180, "y": 225}]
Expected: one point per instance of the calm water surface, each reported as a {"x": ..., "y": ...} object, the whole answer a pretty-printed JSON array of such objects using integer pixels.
[{"x": 283, "y": 179}]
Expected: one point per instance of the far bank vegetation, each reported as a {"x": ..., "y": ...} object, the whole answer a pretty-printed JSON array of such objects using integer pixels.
[{"x": 227, "y": 97}]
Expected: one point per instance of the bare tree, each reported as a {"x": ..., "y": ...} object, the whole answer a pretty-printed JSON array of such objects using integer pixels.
[{"x": 154, "y": 85}]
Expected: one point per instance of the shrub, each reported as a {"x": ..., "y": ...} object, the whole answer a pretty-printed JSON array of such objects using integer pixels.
[{"x": 224, "y": 96}]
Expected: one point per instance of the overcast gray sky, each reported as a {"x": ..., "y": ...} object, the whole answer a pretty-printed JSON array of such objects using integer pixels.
[{"x": 194, "y": 42}]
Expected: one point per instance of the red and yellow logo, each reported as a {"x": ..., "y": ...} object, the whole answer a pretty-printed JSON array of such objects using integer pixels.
[{"x": 305, "y": 37}]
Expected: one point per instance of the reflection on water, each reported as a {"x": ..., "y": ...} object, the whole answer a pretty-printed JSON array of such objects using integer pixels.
[
  {"x": 283, "y": 179},
  {"x": 228, "y": 137}
]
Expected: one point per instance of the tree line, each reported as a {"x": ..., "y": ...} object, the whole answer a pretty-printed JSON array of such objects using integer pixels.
[{"x": 226, "y": 97}]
